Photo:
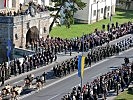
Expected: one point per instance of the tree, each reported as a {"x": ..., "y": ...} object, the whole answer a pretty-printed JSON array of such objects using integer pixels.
[
  {"x": 68, "y": 11},
  {"x": 126, "y": 2}
]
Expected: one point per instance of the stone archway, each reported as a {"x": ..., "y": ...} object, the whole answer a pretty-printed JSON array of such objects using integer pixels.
[{"x": 32, "y": 35}]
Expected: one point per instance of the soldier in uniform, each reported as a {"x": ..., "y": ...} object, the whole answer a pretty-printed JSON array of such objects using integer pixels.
[
  {"x": 19, "y": 67},
  {"x": 116, "y": 24},
  {"x": 2, "y": 80},
  {"x": 126, "y": 60},
  {"x": 108, "y": 27},
  {"x": 70, "y": 49},
  {"x": 55, "y": 57},
  {"x": 23, "y": 67},
  {"x": 44, "y": 77}
]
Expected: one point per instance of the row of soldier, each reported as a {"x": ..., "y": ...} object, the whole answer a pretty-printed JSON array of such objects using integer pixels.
[
  {"x": 29, "y": 63},
  {"x": 94, "y": 55},
  {"x": 69, "y": 66},
  {"x": 48, "y": 53},
  {"x": 90, "y": 40},
  {"x": 116, "y": 80},
  {"x": 46, "y": 56}
]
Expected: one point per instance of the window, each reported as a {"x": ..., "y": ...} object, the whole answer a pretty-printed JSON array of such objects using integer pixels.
[
  {"x": 108, "y": 8},
  {"x": 94, "y": 13},
  {"x": 94, "y": 1},
  {"x": 14, "y": 3},
  {"x": 101, "y": 10}
]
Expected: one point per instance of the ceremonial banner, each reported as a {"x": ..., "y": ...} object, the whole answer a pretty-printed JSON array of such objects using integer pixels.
[{"x": 81, "y": 64}]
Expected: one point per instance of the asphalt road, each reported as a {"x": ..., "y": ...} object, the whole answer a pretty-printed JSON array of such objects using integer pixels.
[
  {"x": 17, "y": 80},
  {"x": 60, "y": 87},
  {"x": 54, "y": 91}
]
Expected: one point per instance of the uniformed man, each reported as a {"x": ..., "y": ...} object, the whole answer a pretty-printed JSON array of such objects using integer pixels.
[
  {"x": 126, "y": 60},
  {"x": 44, "y": 77},
  {"x": 108, "y": 27},
  {"x": 2, "y": 80}
]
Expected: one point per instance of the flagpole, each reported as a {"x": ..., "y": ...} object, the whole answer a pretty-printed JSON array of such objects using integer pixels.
[{"x": 82, "y": 55}]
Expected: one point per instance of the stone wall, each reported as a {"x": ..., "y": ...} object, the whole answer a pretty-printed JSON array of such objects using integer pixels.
[
  {"x": 23, "y": 23},
  {"x": 16, "y": 27}
]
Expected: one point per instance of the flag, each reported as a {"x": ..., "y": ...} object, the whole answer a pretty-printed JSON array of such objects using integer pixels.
[
  {"x": 81, "y": 64},
  {"x": 9, "y": 48},
  {"x": 5, "y": 3}
]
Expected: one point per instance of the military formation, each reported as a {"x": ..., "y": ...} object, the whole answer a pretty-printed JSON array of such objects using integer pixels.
[
  {"x": 94, "y": 55},
  {"x": 89, "y": 41},
  {"x": 47, "y": 50},
  {"x": 29, "y": 63},
  {"x": 116, "y": 81}
]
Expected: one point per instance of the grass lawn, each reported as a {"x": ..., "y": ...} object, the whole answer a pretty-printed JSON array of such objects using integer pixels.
[
  {"x": 78, "y": 29},
  {"x": 126, "y": 95}
]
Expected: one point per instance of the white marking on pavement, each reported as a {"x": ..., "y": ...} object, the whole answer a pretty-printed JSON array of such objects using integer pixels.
[
  {"x": 53, "y": 97},
  {"x": 18, "y": 82},
  {"x": 75, "y": 86},
  {"x": 96, "y": 76},
  {"x": 62, "y": 79}
]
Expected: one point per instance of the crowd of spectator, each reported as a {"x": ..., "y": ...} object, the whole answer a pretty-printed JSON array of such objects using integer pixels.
[
  {"x": 22, "y": 11},
  {"x": 90, "y": 40},
  {"x": 116, "y": 80},
  {"x": 96, "y": 54},
  {"x": 47, "y": 50}
]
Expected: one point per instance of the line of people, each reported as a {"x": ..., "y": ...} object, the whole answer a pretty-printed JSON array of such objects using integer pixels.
[
  {"x": 96, "y": 54},
  {"x": 29, "y": 63},
  {"x": 70, "y": 65},
  {"x": 47, "y": 50},
  {"x": 116, "y": 80},
  {"x": 75, "y": 44}
]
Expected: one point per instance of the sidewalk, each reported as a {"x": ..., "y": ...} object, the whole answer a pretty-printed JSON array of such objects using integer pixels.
[
  {"x": 112, "y": 96},
  {"x": 61, "y": 57}
]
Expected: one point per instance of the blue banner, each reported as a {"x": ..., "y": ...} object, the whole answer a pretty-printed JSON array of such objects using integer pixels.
[
  {"x": 79, "y": 65},
  {"x": 9, "y": 48}
]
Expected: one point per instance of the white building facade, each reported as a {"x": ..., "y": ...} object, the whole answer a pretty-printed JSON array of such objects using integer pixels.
[
  {"x": 14, "y": 4},
  {"x": 95, "y": 10}
]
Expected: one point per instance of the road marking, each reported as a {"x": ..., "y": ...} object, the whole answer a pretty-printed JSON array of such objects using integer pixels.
[
  {"x": 53, "y": 97},
  {"x": 18, "y": 82},
  {"x": 75, "y": 86},
  {"x": 62, "y": 79},
  {"x": 96, "y": 76}
]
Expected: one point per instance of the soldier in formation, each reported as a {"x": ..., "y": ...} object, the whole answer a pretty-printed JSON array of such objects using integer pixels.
[
  {"x": 47, "y": 50},
  {"x": 118, "y": 79},
  {"x": 95, "y": 55}
]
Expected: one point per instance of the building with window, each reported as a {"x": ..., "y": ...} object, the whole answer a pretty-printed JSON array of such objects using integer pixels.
[
  {"x": 20, "y": 30},
  {"x": 95, "y": 10},
  {"x": 13, "y": 5}
]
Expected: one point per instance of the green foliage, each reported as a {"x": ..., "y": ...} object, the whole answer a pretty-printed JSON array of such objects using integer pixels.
[
  {"x": 75, "y": 5},
  {"x": 126, "y": 95},
  {"x": 77, "y": 30}
]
